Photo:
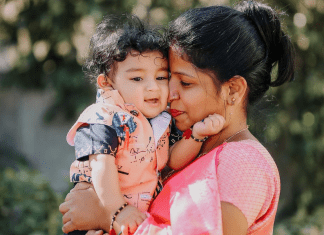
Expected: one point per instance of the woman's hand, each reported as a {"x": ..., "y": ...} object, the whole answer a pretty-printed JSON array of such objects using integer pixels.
[{"x": 82, "y": 210}]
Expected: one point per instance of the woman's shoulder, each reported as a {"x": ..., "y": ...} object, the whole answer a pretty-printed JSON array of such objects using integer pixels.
[
  {"x": 248, "y": 153},
  {"x": 248, "y": 178}
]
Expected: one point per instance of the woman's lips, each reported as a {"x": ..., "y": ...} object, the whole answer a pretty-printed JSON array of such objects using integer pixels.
[{"x": 175, "y": 112}]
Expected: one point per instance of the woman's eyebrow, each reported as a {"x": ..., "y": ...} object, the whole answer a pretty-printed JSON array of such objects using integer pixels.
[{"x": 183, "y": 74}]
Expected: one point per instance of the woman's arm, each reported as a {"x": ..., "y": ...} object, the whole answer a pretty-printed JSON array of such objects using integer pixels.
[
  {"x": 107, "y": 190},
  {"x": 106, "y": 185},
  {"x": 82, "y": 210},
  {"x": 234, "y": 221}
]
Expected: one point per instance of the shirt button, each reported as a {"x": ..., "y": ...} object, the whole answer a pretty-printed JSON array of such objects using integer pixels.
[{"x": 134, "y": 112}]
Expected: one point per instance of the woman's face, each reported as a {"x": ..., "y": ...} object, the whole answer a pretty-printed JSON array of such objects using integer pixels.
[{"x": 193, "y": 94}]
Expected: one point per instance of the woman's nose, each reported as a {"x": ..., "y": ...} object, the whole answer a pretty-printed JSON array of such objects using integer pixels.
[{"x": 173, "y": 92}]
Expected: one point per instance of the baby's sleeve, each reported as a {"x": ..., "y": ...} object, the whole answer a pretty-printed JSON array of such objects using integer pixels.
[
  {"x": 94, "y": 139},
  {"x": 244, "y": 179}
]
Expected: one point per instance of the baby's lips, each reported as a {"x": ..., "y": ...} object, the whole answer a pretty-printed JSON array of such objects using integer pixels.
[{"x": 151, "y": 100}]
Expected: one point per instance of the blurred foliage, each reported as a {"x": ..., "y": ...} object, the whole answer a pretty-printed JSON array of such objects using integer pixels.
[
  {"x": 28, "y": 204},
  {"x": 46, "y": 41},
  {"x": 302, "y": 224}
]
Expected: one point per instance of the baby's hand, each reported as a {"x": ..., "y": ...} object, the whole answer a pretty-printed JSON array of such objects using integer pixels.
[
  {"x": 211, "y": 125},
  {"x": 129, "y": 219},
  {"x": 96, "y": 232}
]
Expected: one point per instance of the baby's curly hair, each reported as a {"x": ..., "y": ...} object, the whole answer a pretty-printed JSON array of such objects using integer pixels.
[{"x": 115, "y": 37}]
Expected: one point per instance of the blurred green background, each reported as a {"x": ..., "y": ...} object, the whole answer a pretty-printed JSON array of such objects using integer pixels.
[{"x": 43, "y": 45}]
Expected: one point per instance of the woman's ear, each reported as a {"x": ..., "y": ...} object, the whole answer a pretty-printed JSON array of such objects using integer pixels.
[
  {"x": 104, "y": 82},
  {"x": 237, "y": 87}
]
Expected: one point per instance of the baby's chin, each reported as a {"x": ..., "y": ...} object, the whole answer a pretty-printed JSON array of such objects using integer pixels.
[{"x": 152, "y": 114}]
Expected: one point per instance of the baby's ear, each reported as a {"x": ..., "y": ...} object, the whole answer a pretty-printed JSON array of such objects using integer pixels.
[{"x": 104, "y": 82}]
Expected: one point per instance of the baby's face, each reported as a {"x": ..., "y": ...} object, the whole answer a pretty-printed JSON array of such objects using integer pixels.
[{"x": 142, "y": 79}]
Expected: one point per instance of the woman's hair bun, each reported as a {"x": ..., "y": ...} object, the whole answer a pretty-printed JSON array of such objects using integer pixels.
[{"x": 279, "y": 48}]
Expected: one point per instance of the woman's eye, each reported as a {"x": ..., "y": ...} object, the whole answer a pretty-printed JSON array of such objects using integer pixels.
[
  {"x": 137, "y": 79},
  {"x": 162, "y": 78},
  {"x": 185, "y": 84}
]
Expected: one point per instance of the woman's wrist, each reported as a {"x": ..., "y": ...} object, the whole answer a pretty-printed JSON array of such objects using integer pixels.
[{"x": 104, "y": 219}]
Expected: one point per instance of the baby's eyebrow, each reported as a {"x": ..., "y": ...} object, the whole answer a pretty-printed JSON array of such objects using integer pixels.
[
  {"x": 141, "y": 70},
  {"x": 164, "y": 69},
  {"x": 134, "y": 70}
]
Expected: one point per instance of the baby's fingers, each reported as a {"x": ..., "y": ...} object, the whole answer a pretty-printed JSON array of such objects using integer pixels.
[
  {"x": 206, "y": 125},
  {"x": 94, "y": 232},
  {"x": 217, "y": 120},
  {"x": 133, "y": 226},
  {"x": 143, "y": 216},
  {"x": 124, "y": 229},
  {"x": 139, "y": 220}
]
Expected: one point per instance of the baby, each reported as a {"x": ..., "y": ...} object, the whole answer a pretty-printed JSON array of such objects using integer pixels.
[{"x": 122, "y": 141}]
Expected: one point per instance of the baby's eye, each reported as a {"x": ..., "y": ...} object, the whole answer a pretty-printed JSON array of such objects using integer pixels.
[
  {"x": 185, "y": 84},
  {"x": 162, "y": 78},
  {"x": 137, "y": 79}
]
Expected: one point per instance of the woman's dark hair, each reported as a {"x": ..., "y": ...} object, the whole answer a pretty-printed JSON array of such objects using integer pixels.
[
  {"x": 115, "y": 38},
  {"x": 246, "y": 40}
]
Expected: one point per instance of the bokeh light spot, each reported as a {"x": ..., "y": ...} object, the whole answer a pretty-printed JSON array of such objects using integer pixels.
[
  {"x": 10, "y": 12},
  {"x": 303, "y": 42},
  {"x": 24, "y": 42},
  {"x": 158, "y": 15},
  {"x": 320, "y": 6},
  {"x": 41, "y": 49},
  {"x": 273, "y": 132},
  {"x": 79, "y": 41},
  {"x": 295, "y": 127},
  {"x": 146, "y": 3},
  {"x": 63, "y": 48},
  {"x": 310, "y": 3},
  {"x": 88, "y": 25},
  {"x": 140, "y": 10},
  {"x": 182, "y": 4},
  {"x": 214, "y": 2},
  {"x": 308, "y": 119},
  {"x": 300, "y": 20}
]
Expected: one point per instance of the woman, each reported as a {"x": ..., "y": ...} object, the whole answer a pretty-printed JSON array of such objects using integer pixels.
[{"x": 221, "y": 60}]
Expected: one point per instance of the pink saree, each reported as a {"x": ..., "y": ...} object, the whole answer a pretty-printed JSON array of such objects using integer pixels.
[
  {"x": 244, "y": 175},
  {"x": 184, "y": 202}
]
